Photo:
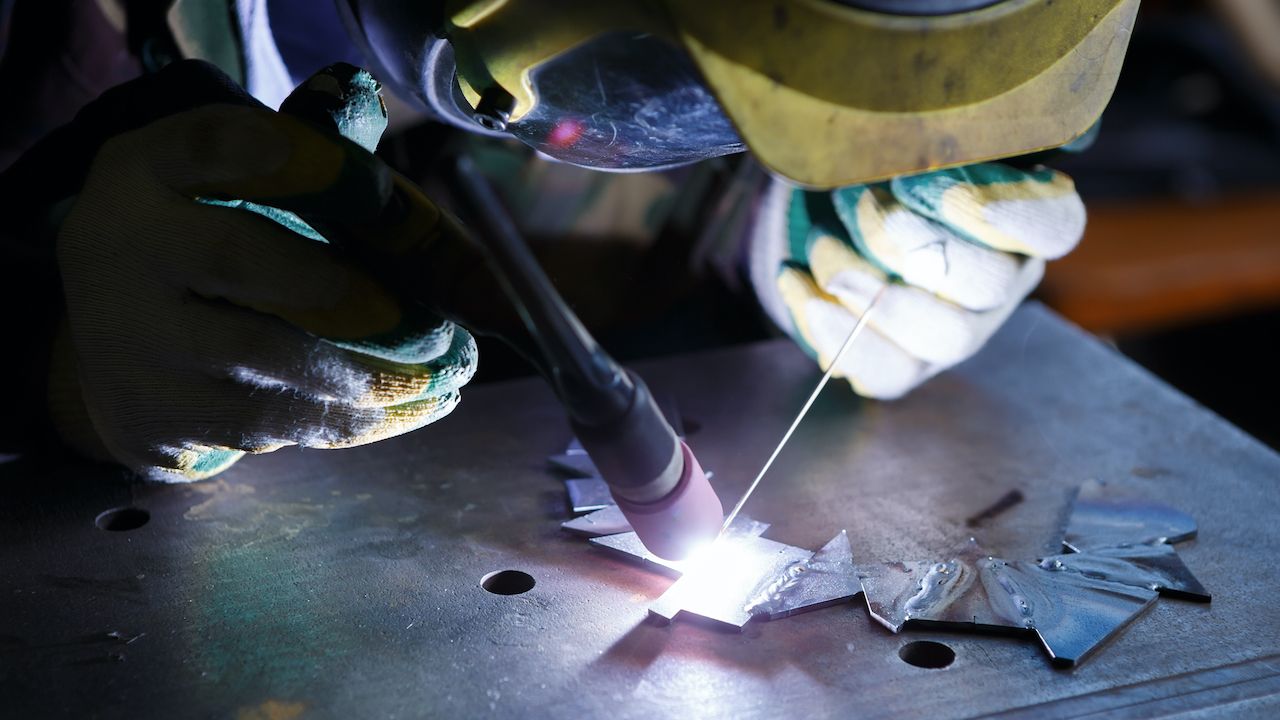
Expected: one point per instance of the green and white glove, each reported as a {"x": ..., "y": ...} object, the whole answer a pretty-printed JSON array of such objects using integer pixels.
[
  {"x": 199, "y": 332},
  {"x": 959, "y": 248}
]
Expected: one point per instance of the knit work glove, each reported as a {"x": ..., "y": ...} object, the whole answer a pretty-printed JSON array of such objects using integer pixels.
[
  {"x": 959, "y": 248},
  {"x": 202, "y": 327}
]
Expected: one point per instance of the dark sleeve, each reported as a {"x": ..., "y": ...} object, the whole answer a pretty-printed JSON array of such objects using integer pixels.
[
  {"x": 61, "y": 54},
  {"x": 6, "y": 9},
  {"x": 31, "y": 305}
]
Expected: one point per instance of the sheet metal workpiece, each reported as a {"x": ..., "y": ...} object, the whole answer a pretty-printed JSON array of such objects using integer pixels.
[
  {"x": 588, "y": 494},
  {"x": 607, "y": 520},
  {"x": 1154, "y": 566},
  {"x": 628, "y": 545},
  {"x": 725, "y": 592},
  {"x": 1073, "y": 602},
  {"x": 1102, "y": 516},
  {"x": 1071, "y": 613},
  {"x": 577, "y": 464},
  {"x": 347, "y": 583},
  {"x": 753, "y": 577},
  {"x": 827, "y": 578}
]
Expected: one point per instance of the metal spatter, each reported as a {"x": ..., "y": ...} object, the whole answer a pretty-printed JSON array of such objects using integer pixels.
[
  {"x": 744, "y": 575},
  {"x": 1072, "y": 602}
]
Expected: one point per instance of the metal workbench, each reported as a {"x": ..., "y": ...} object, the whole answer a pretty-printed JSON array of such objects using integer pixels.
[{"x": 346, "y": 584}]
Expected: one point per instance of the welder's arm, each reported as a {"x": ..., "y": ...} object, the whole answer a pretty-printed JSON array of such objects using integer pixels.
[
  {"x": 199, "y": 327},
  {"x": 961, "y": 247}
]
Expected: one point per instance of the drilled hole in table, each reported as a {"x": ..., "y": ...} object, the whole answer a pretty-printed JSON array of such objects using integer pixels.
[
  {"x": 927, "y": 654},
  {"x": 122, "y": 518},
  {"x": 507, "y": 582}
]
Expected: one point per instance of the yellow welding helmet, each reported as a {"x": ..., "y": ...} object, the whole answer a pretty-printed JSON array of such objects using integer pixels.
[{"x": 824, "y": 92}]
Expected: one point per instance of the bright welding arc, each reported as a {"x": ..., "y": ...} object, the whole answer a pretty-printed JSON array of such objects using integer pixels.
[{"x": 844, "y": 348}]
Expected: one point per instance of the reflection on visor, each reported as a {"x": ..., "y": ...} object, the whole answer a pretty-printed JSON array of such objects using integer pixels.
[{"x": 625, "y": 101}]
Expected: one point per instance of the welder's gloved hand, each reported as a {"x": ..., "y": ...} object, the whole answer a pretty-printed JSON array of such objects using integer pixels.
[
  {"x": 199, "y": 332},
  {"x": 960, "y": 249}
]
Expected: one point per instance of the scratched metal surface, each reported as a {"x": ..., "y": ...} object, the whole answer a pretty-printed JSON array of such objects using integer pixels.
[{"x": 346, "y": 583}]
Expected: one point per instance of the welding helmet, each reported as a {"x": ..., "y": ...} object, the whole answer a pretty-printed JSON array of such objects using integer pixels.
[{"x": 823, "y": 92}]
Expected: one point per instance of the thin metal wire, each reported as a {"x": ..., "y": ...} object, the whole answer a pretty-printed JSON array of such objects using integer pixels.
[{"x": 844, "y": 348}]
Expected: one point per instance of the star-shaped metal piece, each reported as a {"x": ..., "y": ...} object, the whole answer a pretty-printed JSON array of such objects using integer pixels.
[
  {"x": 1072, "y": 602},
  {"x": 745, "y": 575},
  {"x": 1071, "y": 612},
  {"x": 827, "y": 578}
]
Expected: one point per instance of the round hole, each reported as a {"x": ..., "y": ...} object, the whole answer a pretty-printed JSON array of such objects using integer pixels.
[
  {"x": 507, "y": 582},
  {"x": 121, "y": 519},
  {"x": 927, "y": 654}
]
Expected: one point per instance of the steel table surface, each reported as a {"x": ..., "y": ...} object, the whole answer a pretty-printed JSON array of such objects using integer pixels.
[{"x": 347, "y": 583}]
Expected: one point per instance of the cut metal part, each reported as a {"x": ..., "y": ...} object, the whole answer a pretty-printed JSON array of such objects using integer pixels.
[
  {"x": 605, "y": 521},
  {"x": 588, "y": 494},
  {"x": 629, "y": 546},
  {"x": 721, "y": 587},
  {"x": 745, "y": 575},
  {"x": 827, "y": 578},
  {"x": 1155, "y": 566},
  {"x": 1072, "y": 602},
  {"x": 1102, "y": 517},
  {"x": 578, "y": 464},
  {"x": 1070, "y": 612}
]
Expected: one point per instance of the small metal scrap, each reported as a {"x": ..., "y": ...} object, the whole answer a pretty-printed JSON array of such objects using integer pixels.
[
  {"x": 578, "y": 464},
  {"x": 588, "y": 494},
  {"x": 1103, "y": 518},
  {"x": 1073, "y": 602},
  {"x": 605, "y": 521},
  {"x": 1155, "y": 566}
]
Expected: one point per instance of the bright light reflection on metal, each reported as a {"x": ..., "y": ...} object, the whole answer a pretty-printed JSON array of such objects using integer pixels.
[
  {"x": 721, "y": 581},
  {"x": 725, "y": 562}
]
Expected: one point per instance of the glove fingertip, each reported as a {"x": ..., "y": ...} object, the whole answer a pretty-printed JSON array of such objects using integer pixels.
[{"x": 342, "y": 98}]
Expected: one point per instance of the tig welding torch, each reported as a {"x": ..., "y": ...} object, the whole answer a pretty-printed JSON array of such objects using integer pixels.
[
  {"x": 654, "y": 477},
  {"x": 487, "y": 280}
]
